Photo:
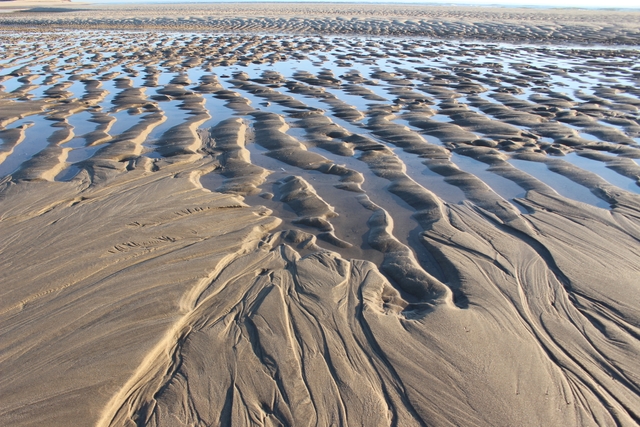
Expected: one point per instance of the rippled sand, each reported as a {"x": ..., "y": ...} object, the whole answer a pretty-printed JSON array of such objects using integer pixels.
[
  {"x": 480, "y": 23},
  {"x": 204, "y": 229}
]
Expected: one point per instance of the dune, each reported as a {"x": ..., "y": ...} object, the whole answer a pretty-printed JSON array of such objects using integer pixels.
[{"x": 335, "y": 227}]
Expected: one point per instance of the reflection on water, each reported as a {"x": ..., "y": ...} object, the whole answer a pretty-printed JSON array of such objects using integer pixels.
[
  {"x": 35, "y": 140},
  {"x": 604, "y": 172},
  {"x": 351, "y": 74},
  {"x": 561, "y": 184}
]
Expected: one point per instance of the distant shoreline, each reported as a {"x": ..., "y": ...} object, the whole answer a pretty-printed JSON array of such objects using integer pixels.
[{"x": 12, "y": 3}]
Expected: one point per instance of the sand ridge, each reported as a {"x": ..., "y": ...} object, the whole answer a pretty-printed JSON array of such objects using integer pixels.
[{"x": 203, "y": 229}]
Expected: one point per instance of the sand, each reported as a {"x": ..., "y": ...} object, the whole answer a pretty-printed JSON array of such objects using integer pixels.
[
  {"x": 322, "y": 228},
  {"x": 479, "y": 23}
]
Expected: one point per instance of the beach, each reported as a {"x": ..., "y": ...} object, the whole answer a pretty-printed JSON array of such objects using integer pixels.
[
  {"x": 319, "y": 214},
  {"x": 555, "y": 26}
]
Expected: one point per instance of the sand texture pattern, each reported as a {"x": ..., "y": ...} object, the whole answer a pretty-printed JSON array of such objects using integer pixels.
[
  {"x": 474, "y": 23},
  {"x": 256, "y": 230}
]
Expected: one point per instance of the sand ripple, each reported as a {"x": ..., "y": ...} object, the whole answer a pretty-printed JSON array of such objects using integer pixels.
[
  {"x": 204, "y": 229},
  {"x": 525, "y": 25}
]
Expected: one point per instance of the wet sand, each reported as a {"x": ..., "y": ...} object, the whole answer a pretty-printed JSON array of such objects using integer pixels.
[
  {"x": 479, "y": 23},
  {"x": 243, "y": 229}
]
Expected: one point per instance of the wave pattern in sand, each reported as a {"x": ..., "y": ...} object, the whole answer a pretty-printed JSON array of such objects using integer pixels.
[
  {"x": 260, "y": 230},
  {"x": 578, "y": 26}
]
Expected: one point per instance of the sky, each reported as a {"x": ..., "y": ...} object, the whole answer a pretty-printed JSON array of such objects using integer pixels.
[{"x": 607, "y": 4}]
